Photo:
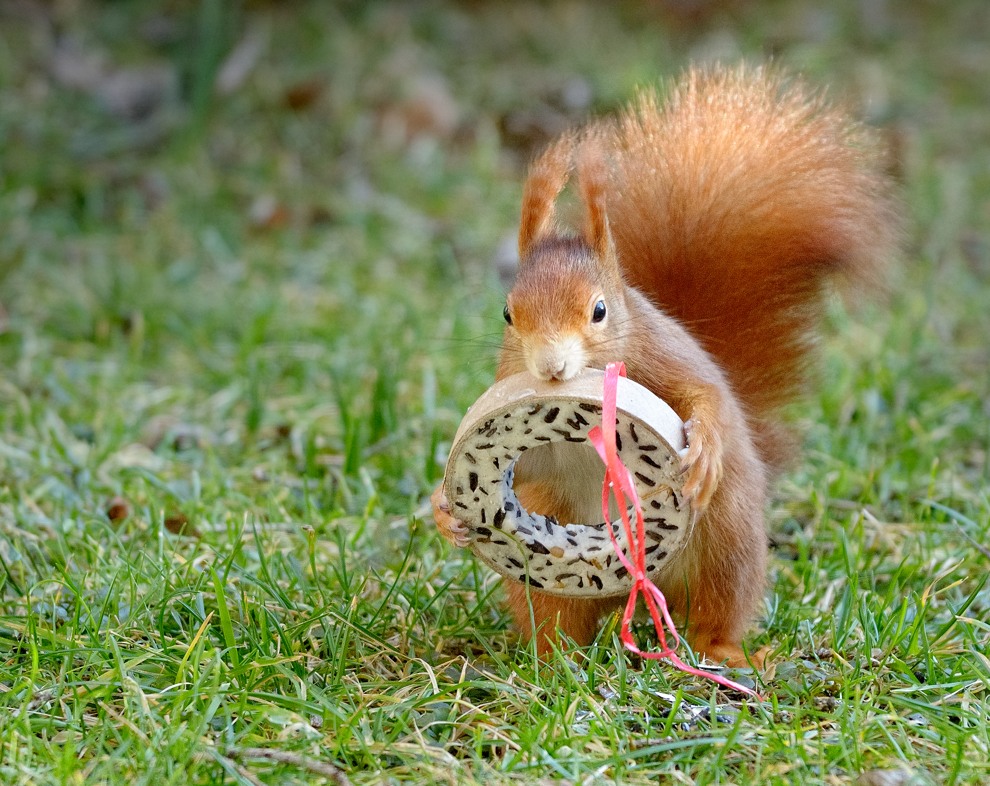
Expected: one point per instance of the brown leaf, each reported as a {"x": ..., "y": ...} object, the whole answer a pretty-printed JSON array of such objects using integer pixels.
[
  {"x": 118, "y": 509},
  {"x": 266, "y": 212},
  {"x": 302, "y": 95},
  {"x": 428, "y": 109},
  {"x": 178, "y": 524}
]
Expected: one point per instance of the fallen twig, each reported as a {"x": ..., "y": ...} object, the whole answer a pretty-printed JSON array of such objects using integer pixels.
[
  {"x": 327, "y": 770},
  {"x": 959, "y": 520}
]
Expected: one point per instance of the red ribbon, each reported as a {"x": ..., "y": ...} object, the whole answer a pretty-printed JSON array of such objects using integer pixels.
[{"x": 620, "y": 481}]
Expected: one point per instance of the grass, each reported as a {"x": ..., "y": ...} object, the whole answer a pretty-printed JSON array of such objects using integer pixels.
[{"x": 239, "y": 332}]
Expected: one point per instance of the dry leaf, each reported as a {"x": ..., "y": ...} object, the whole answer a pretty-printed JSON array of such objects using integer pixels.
[
  {"x": 237, "y": 67},
  {"x": 266, "y": 212},
  {"x": 178, "y": 524},
  {"x": 118, "y": 509},
  {"x": 302, "y": 95},
  {"x": 428, "y": 109}
]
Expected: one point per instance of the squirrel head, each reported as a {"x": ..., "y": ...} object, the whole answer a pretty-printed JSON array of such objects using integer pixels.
[{"x": 567, "y": 308}]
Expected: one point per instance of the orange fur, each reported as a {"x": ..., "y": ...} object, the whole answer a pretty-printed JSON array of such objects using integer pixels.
[
  {"x": 759, "y": 193},
  {"x": 713, "y": 223},
  {"x": 547, "y": 178}
]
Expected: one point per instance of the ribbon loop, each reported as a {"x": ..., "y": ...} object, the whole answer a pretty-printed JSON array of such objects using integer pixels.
[{"x": 619, "y": 481}]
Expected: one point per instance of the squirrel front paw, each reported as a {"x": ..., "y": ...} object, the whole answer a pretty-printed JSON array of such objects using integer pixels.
[
  {"x": 701, "y": 463},
  {"x": 453, "y": 530}
]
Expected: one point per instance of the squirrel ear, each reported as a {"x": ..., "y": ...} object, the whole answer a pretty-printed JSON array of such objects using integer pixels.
[
  {"x": 593, "y": 179},
  {"x": 547, "y": 177}
]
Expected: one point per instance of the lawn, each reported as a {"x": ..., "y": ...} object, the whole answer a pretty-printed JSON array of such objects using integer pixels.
[{"x": 248, "y": 288}]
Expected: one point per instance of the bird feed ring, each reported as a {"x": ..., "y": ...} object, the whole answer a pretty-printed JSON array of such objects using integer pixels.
[{"x": 521, "y": 413}]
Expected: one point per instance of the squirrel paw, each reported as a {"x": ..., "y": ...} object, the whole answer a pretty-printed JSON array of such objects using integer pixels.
[
  {"x": 701, "y": 464},
  {"x": 733, "y": 656},
  {"x": 453, "y": 530}
]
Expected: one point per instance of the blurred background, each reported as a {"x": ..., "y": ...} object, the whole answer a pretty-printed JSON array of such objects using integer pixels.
[
  {"x": 212, "y": 187},
  {"x": 263, "y": 239},
  {"x": 266, "y": 238},
  {"x": 252, "y": 265}
]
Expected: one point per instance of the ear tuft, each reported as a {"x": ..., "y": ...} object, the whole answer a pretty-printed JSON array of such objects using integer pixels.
[
  {"x": 547, "y": 177},
  {"x": 593, "y": 180}
]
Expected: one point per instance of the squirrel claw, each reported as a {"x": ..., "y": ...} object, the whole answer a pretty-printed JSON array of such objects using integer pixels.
[
  {"x": 453, "y": 529},
  {"x": 702, "y": 464}
]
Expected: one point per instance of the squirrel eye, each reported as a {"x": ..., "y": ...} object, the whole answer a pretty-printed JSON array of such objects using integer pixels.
[
  {"x": 599, "y": 313},
  {"x": 505, "y": 313}
]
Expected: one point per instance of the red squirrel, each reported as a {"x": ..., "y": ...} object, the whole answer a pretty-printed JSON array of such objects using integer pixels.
[{"x": 713, "y": 222}]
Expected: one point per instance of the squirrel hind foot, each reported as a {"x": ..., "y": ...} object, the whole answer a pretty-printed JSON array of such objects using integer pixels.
[{"x": 732, "y": 655}]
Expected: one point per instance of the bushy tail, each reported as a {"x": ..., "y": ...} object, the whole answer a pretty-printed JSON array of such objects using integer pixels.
[{"x": 736, "y": 200}]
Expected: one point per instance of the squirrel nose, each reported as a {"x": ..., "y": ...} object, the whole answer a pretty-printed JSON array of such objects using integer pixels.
[
  {"x": 558, "y": 361},
  {"x": 555, "y": 371},
  {"x": 551, "y": 366}
]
